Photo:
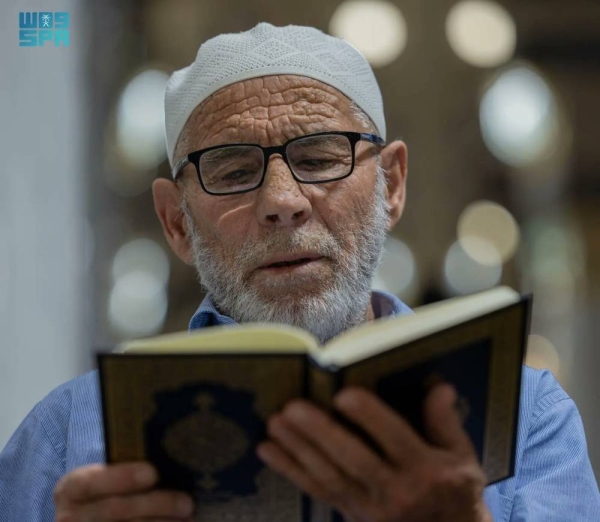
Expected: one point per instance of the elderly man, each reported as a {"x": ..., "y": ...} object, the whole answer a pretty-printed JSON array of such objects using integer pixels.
[{"x": 283, "y": 192}]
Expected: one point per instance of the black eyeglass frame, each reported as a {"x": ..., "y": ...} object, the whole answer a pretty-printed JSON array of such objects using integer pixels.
[{"x": 353, "y": 137}]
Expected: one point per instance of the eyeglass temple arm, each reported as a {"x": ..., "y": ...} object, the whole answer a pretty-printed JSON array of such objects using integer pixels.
[
  {"x": 179, "y": 167},
  {"x": 373, "y": 138}
]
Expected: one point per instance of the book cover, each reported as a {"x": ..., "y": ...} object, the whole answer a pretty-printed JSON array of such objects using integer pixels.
[{"x": 198, "y": 420}]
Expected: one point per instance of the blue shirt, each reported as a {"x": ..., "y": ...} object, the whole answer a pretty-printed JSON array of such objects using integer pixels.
[{"x": 553, "y": 480}]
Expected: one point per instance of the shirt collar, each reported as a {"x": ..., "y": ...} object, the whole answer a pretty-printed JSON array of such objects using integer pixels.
[{"x": 384, "y": 304}]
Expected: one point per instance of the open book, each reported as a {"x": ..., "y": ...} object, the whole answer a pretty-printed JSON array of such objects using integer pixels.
[{"x": 195, "y": 404}]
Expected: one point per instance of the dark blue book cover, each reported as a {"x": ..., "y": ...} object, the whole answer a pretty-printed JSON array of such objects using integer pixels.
[{"x": 198, "y": 419}]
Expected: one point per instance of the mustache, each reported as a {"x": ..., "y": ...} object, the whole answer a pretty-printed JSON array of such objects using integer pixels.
[{"x": 256, "y": 251}]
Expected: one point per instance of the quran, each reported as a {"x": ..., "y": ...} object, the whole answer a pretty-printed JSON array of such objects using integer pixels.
[{"x": 195, "y": 404}]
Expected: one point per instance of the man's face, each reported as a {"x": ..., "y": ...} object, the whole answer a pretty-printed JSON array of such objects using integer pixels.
[{"x": 233, "y": 239}]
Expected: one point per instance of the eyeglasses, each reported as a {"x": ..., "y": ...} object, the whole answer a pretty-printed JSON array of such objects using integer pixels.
[{"x": 314, "y": 158}]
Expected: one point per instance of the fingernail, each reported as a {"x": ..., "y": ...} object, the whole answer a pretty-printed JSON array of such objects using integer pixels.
[
  {"x": 185, "y": 506},
  {"x": 145, "y": 475}
]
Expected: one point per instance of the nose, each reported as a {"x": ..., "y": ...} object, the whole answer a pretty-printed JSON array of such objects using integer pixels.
[{"x": 281, "y": 202}]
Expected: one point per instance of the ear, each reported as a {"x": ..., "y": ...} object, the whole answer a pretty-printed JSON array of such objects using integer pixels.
[
  {"x": 394, "y": 160},
  {"x": 167, "y": 203}
]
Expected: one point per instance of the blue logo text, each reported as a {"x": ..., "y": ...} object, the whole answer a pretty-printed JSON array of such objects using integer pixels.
[{"x": 35, "y": 29}]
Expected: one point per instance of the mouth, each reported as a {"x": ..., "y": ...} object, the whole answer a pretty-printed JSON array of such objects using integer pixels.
[{"x": 290, "y": 262}]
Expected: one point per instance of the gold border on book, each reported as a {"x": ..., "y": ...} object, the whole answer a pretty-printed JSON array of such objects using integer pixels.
[{"x": 506, "y": 353}]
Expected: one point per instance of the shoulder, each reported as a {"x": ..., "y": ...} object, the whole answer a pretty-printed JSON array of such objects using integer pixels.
[
  {"x": 540, "y": 392},
  {"x": 542, "y": 400},
  {"x": 552, "y": 465},
  {"x": 80, "y": 392},
  {"x": 69, "y": 406},
  {"x": 551, "y": 442},
  {"x": 554, "y": 479},
  {"x": 61, "y": 432}
]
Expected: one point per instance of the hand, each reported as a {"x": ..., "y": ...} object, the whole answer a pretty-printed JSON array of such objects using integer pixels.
[
  {"x": 416, "y": 481},
  {"x": 99, "y": 493}
]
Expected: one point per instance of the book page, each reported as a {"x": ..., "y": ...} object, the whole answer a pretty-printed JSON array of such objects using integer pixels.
[
  {"x": 251, "y": 337},
  {"x": 386, "y": 333}
]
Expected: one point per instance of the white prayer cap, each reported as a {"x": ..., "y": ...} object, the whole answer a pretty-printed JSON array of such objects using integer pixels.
[{"x": 266, "y": 50}]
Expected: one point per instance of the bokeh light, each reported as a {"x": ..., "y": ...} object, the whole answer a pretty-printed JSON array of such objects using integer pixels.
[
  {"x": 519, "y": 117},
  {"x": 397, "y": 272},
  {"x": 138, "y": 300},
  {"x": 143, "y": 255},
  {"x": 140, "y": 120},
  {"x": 463, "y": 275},
  {"x": 555, "y": 266},
  {"x": 482, "y": 33},
  {"x": 541, "y": 354},
  {"x": 488, "y": 233},
  {"x": 376, "y": 28},
  {"x": 137, "y": 304}
]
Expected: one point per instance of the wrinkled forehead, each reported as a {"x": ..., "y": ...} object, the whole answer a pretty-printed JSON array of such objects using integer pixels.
[{"x": 266, "y": 110}]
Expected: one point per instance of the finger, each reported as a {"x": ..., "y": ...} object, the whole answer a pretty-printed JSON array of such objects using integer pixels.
[
  {"x": 315, "y": 463},
  {"x": 396, "y": 437},
  {"x": 343, "y": 448},
  {"x": 278, "y": 460},
  {"x": 442, "y": 422},
  {"x": 99, "y": 480},
  {"x": 155, "y": 504}
]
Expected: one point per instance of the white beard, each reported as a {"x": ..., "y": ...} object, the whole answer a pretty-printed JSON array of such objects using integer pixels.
[{"x": 341, "y": 302}]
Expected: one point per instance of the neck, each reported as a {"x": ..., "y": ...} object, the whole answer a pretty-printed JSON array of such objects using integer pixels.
[{"x": 370, "y": 315}]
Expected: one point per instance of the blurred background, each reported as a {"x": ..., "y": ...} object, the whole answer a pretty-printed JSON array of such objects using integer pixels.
[{"x": 498, "y": 102}]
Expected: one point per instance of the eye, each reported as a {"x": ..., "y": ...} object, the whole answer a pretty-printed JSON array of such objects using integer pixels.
[
  {"x": 315, "y": 163},
  {"x": 236, "y": 175}
]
